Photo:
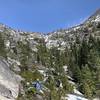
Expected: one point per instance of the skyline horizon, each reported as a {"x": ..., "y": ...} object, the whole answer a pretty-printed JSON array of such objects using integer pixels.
[
  {"x": 47, "y": 15},
  {"x": 70, "y": 26}
]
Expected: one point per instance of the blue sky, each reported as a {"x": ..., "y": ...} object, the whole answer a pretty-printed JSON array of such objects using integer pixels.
[{"x": 45, "y": 15}]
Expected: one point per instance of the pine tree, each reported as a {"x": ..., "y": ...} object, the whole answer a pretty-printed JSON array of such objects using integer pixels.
[
  {"x": 25, "y": 54},
  {"x": 2, "y": 47},
  {"x": 83, "y": 54},
  {"x": 87, "y": 83}
]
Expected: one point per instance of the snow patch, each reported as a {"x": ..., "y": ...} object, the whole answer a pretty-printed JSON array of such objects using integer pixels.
[
  {"x": 75, "y": 97},
  {"x": 97, "y": 18}
]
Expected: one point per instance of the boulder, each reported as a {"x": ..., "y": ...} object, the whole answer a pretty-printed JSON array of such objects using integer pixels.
[{"x": 9, "y": 82}]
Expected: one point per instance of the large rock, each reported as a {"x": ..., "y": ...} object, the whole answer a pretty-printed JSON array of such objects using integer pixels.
[{"x": 9, "y": 82}]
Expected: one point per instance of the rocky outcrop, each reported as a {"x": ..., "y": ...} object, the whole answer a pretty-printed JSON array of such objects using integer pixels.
[{"x": 9, "y": 82}]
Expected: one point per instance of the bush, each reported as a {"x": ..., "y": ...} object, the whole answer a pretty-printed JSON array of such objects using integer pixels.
[{"x": 31, "y": 76}]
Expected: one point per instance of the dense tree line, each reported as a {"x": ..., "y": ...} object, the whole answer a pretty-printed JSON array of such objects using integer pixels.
[
  {"x": 83, "y": 59},
  {"x": 85, "y": 65}
]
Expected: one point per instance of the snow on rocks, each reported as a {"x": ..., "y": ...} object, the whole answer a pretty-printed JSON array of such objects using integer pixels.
[
  {"x": 7, "y": 43},
  {"x": 75, "y": 97},
  {"x": 65, "y": 68},
  {"x": 97, "y": 19},
  {"x": 77, "y": 92}
]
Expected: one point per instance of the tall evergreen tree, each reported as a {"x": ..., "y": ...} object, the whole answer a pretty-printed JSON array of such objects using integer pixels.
[{"x": 2, "y": 46}]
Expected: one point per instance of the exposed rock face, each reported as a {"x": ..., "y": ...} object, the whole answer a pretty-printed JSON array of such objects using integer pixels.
[{"x": 9, "y": 83}]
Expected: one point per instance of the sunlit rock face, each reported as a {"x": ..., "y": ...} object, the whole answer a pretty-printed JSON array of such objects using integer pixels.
[{"x": 9, "y": 83}]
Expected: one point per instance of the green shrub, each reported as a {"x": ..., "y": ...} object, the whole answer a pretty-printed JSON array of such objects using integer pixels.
[{"x": 31, "y": 76}]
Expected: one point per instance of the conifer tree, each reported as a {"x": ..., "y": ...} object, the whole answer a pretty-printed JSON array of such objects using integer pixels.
[
  {"x": 2, "y": 46},
  {"x": 87, "y": 83}
]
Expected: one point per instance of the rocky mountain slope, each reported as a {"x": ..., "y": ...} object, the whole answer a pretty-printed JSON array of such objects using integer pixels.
[
  {"x": 66, "y": 36},
  {"x": 26, "y": 56},
  {"x": 9, "y": 82}
]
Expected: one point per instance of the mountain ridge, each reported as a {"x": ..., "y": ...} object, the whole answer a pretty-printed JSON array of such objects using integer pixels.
[{"x": 97, "y": 12}]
